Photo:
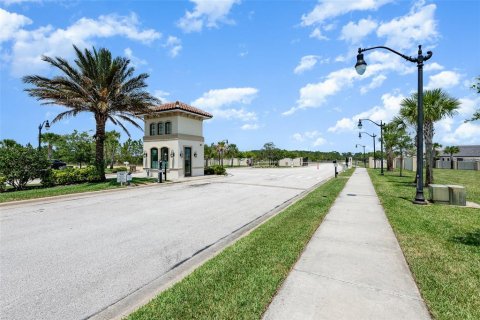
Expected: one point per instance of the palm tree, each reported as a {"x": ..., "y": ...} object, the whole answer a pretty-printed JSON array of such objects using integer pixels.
[
  {"x": 99, "y": 84},
  {"x": 232, "y": 152},
  {"x": 52, "y": 139},
  {"x": 451, "y": 151},
  {"x": 437, "y": 105}
]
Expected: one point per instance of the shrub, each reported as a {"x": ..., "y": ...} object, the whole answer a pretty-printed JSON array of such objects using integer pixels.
[
  {"x": 47, "y": 178},
  {"x": 219, "y": 170},
  {"x": 74, "y": 175},
  {"x": 20, "y": 164},
  {"x": 115, "y": 170},
  {"x": 2, "y": 183}
]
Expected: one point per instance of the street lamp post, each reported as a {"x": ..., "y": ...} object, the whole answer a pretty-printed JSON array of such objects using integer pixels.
[
  {"x": 47, "y": 126},
  {"x": 361, "y": 66},
  {"x": 381, "y": 125},
  {"x": 373, "y": 136},
  {"x": 364, "y": 162}
]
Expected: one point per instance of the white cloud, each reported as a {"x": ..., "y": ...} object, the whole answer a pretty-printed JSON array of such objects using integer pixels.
[
  {"x": 319, "y": 142},
  {"x": 298, "y": 137},
  {"x": 327, "y": 9},
  {"x": 11, "y": 23},
  {"x": 468, "y": 106},
  {"x": 466, "y": 133},
  {"x": 445, "y": 125},
  {"x": 314, "y": 137},
  {"x": 9, "y": 2},
  {"x": 135, "y": 61},
  {"x": 306, "y": 63},
  {"x": 162, "y": 95},
  {"x": 375, "y": 83},
  {"x": 444, "y": 80},
  {"x": 432, "y": 67},
  {"x": 217, "y": 102},
  {"x": 29, "y": 46},
  {"x": 354, "y": 33},
  {"x": 317, "y": 34},
  {"x": 248, "y": 126},
  {"x": 418, "y": 26},
  {"x": 206, "y": 13},
  {"x": 385, "y": 113},
  {"x": 174, "y": 46}
]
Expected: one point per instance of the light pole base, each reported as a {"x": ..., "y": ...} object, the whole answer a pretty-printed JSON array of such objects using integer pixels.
[{"x": 420, "y": 199}]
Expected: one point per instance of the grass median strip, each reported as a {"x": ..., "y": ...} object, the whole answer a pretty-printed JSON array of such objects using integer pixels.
[
  {"x": 441, "y": 243},
  {"x": 240, "y": 282},
  {"x": 35, "y": 192}
]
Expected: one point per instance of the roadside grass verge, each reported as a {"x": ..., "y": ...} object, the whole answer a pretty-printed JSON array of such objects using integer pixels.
[
  {"x": 441, "y": 243},
  {"x": 37, "y": 191},
  {"x": 241, "y": 281}
]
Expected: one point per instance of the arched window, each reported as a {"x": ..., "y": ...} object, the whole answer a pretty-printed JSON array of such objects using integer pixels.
[
  {"x": 154, "y": 158},
  {"x": 160, "y": 128},
  {"x": 168, "y": 127},
  {"x": 152, "y": 129}
]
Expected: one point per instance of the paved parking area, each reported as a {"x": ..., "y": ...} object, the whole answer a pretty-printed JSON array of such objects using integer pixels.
[{"x": 73, "y": 258}]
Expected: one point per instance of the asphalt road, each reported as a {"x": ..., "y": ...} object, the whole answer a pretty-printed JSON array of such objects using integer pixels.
[{"x": 72, "y": 258}]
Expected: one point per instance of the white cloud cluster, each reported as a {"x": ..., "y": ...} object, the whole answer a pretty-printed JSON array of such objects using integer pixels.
[
  {"x": 174, "y": 46},
  {"x": 206, "y": 13},
  {"x": 354, "y": 33},
  {"x": 249, "y": 126},
  {"x": 162, "y": 95},
  {"x": 306, "y": 63},
  {"x": 375, "y": 83},
  {"x": 314, "y": 137},
  {"x": 135, "y": 61},
  {"x": 317, "y": 34},
  {"x": 29, "y": 45},
  {"x": 444, "y": 80},
  {"x": 220, "y": 101},
  {"x": 385, "y": 113},
  {"x": 466, "y": 133},
  {"x": 418, "y": 26},
  {"x": 11, "y": 23},
  {"x": 327, "y": 9}
]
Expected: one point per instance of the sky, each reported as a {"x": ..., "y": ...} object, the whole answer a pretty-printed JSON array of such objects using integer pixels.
[{"x": 268, "y": 71}]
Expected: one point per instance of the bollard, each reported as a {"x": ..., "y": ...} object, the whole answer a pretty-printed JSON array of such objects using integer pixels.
[
  {"x": 159, "y": 178},
  {"x": 335, "y": 165}
]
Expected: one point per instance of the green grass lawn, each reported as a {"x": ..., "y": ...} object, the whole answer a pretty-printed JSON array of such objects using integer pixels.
[
  {"x": 241, "y": 281},
  {"x": 34, "y": 192},
  {"x": 441, "y": 243}
]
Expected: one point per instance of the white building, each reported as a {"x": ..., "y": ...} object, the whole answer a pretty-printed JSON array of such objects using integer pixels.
[{"x": 174, "y": 135}]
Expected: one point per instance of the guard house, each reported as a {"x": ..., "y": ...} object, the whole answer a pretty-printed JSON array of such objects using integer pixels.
[{"x": 174, "y": 134}]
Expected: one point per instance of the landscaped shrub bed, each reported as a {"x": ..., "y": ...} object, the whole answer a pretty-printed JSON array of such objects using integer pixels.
[
  {"x": 70, "y": 176},
  {"x": 219, "y": 170}
]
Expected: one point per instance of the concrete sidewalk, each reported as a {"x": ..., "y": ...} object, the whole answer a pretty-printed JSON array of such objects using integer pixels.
[{"x": 353, "y": 267}]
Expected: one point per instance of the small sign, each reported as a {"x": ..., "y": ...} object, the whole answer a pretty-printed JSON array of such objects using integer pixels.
[{"x": 122, "y": 176}]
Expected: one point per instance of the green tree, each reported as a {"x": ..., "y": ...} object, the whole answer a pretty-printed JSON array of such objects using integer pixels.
[
  {"x": 99, "y": 84},
  {"x": 52, "y": 140},
  {"x": 112, "y": 146},
  {"x": 209, "y": 152},
  {"x": 476, "y": 115},
  {"x": 5, "y": 143},
  {"x": 232, "y": 152},
  {"x": 131, "y": 151},
  {"x": 437, "y": 105},
  {"x": 451, "y": 150},
  {"x": 19, "y": 164},
  {"x": 76, "y": 148}
]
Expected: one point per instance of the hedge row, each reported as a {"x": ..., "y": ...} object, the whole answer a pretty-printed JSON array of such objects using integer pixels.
[{"x": 69, "y": 176}]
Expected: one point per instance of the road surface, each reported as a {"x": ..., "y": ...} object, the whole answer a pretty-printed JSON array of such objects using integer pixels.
[{"x": 73, "y": 258}]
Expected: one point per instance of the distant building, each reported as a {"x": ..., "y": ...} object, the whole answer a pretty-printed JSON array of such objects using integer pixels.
[
  {"x": 174, "y": 135},
  {"x": 466, "y": 153}
]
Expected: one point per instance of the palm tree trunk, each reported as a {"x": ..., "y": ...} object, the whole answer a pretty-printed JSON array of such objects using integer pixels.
[
  {"x": 389, "y": 159},
  {"x": 99, "y": 146},
  {"x": 428, "y": 135}
]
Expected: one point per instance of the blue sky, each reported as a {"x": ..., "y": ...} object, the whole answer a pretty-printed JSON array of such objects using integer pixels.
[{"x": 279, "y": 71}]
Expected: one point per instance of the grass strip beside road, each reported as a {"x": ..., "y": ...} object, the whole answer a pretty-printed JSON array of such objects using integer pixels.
[
  {"x": 441, "y": 243},
  {"x": 241, "y": 281},
  {"x": 35, "y": 192}
]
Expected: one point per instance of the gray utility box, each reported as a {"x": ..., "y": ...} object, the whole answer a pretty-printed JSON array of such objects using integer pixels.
[
  {"x": 439, "y": 193},
  {"x": 457, "y": 195},
  {"x": 451, "y": 194}
]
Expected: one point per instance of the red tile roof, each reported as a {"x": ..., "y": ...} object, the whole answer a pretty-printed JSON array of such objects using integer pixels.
[{"x": 177, "y": 105}]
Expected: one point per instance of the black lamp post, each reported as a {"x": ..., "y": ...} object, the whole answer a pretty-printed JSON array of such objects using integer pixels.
[
  {"x": 364, "y": 162},
  {"x": 373, "y": 136},
  {"x": 47, "y": 126},
  {"x": 381, "y": 125},
  {"x": 361, "y": 66}
]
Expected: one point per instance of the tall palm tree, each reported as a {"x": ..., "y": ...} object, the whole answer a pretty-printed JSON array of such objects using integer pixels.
[
  {"x": 99, "y": 84},
  {"x": 451, "y": 150},
  {"x": 437, "y": 105},
  {"x": 52, "y": 140}
]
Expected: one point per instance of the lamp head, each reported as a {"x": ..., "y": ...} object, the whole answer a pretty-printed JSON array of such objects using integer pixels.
[
  {"x": 172, "y": 154},
  {"x": 361, "y": 65},
  {"x": 360, "y": 124},
  {"x": 47, "y": 125}
]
